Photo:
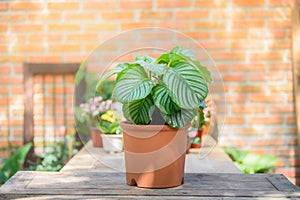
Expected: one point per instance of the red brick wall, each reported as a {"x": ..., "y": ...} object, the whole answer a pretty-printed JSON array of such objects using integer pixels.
[{"x": 250, "y": 41}]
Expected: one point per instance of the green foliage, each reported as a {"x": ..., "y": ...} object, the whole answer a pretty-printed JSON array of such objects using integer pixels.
[
  {"x": 13, "y": 163},
  {"x": 251, "y": 163},
  {"x": 175, "y": 83},
  {"x": 57, "y": 155}
]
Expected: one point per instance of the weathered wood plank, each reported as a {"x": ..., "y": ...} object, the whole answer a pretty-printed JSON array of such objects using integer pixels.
[{"x": 113, "y": 184}]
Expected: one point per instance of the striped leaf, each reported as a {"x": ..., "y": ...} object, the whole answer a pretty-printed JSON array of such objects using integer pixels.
[
  {"x": 181, "y": 53},
  {"x": 132, "y": 84},
  {"x": 156, "y": 69},
  {"x": 180, "y": 118},
  {"x": 117, "y": 69},
  {"x": 186, "y": 85},
  {"x": 139, "y": 111},
  {"x": 163, "y": 100}
]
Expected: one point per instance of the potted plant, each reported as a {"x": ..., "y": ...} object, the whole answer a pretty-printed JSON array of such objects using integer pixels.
[
  {"x": 160, "y": 98},
  {"x": 201, "y": 125},
  {"x": 112, "y": 138},
  {"x": 91, "y": 112}
]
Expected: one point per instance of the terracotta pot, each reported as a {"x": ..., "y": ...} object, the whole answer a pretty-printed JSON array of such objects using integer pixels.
[
  {"x": 112, "y": 143},
  {"x": 199, "y": 135},
  {"x": 154, "y": 155},
  {"x": 96, "y": 137}
]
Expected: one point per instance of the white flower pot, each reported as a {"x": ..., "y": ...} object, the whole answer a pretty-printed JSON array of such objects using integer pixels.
[{"x": 112, "y": 143}]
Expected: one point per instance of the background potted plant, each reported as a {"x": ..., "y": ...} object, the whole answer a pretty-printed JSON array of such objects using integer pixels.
[
  {"x": 166, "y": 93},
  {"x": 112, "y": 133}
]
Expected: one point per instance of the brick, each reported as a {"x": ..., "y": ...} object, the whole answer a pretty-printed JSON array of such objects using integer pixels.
[
  {"x": 266, "y": 34},
  {"x": 290, "y": 172},
  {"x": 3, "y": 48},
  {"x": 10, "y": 80},
  {"x": 281, "y": 2},
  {"x": 234, "y": 120},
  {"x": 26, "y": 27},
  {"x": 23, "y": 48},
  {"x": 242, "y": 3},
  {"x": 268, "y": 142},
  {"x": 279, "y": 23},
  {"x": 247, "y": 24},
  {"x": 3, "y": 6},
  {"x": 42, "y": 37},
  {"x": 155, "y": 15},
  {"x": 203, "y": 35},
  {"x": 280, "y": 66},
  {"x": 209, "y": 24},
  {"x": 44, "y": 16},
  {"x": 266, "y": 120},
  {"x": 64, "y": 48},
  {"x": 268, "y": 13},
  {"x": 64, "y": 27},
  {"x": 280, "y": 45},
  {"x": 192, "y": 14},
  {"x": 281, "y": 87},
  {"x": 134, "y": 25},
  {"x": 13, "y": 59},
  {"x": 234, "y": 77},
  {"x": 248, "y": 88},
  {"x": 103, "y": 4},
  {"x": 236, "y": 98},
  {"x": 291, "y": 120},
  {"x": 133, "y": 4},
  {"x": 12, "y": 17},
  {"x": 4, "y": 69},
  {"x": 228, "y": 56},
  {"x": 18, "y": 69},
  {"x": 81, "y": 16},
  {"x": 245, "y": 44},
  {"x": 117, "y": 15},
  {"x": 7, "y": 38},
  {"x": 174, "y": 25},
  {"x": 46, "y": 59},
  {"x": 272, "y": 98},
  {"x": 271, "y": 76},
  {"x": 172, "y": 3},
  {"x": 100, "y": 27},
  {"x": 230, "y": 35},
  {"x": 3, "y": 27},
  {"x": 75, "y": 57},
  {"x": 282, "y": 109},
  {"x": 211, "y": 4},
  {"x": 63, "y": 5},
  {"x": 221, "y": 14},
  {"x": 26, "y": 5},
  {"x": 248, "y": 109},
  {"x": 266, "y": 56},
  {"x": 210, "y": 45},
  {"x": 84, "y": 37}
]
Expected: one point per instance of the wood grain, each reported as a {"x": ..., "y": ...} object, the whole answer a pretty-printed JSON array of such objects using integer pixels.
[{"x": 105, "y": 184}]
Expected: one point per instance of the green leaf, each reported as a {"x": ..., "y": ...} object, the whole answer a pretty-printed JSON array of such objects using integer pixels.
[
  {"x": 145, "y": 58},
  {"x": 139, "y": 111},
  {"x": 117, "y": 69},
  {"x": 156, "y": 69},
  {"x": 180, "y": 118},
  {"x": 132, "y": 84},
  {"x": 186, "y": 85},
  {"x": 80, "y": 73},
  {"x": 164, "y": 58},
  {"x": 163, "y": 100},
  {"x": 182, "y": 53}
]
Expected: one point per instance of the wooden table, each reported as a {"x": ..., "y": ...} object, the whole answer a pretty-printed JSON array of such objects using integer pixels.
[{"x": 85, "y": 177}]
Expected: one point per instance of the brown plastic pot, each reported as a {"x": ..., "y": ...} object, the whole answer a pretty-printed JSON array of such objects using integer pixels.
[
  {"x": 154, "y": 155},
  {"x": 96, "y": 137}
]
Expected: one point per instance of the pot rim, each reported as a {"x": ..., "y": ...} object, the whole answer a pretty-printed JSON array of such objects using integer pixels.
[{"x": 130, "y": 125}]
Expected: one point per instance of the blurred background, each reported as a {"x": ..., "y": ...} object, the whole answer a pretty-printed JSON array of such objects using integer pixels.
[{"x": 253, "y": 43}]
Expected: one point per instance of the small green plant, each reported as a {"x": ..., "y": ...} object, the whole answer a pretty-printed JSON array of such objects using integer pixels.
[
  {"x": 173, "y": 86},
  {"x": 251, "y": 163},
  {"x": 57, "y": 155},
  {"x": 14, "y": 163},
  {"x": 109, "y": 122}
]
